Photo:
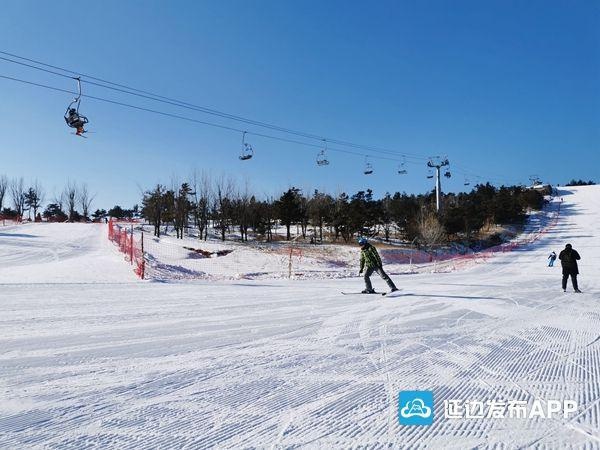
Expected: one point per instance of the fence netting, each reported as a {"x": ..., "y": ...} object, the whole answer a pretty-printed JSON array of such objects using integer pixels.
[{"x": 129, "y": 243}]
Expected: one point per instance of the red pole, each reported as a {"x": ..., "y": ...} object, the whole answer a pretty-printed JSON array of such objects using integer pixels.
[
  {"x": 131, "y": 246},
  {"x": 143, "y": 257}
]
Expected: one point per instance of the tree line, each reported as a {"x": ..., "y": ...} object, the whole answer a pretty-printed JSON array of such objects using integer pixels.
[
  {"x": 232, "y": 211},
  {"x": 20, "y": 201},
  {"x": 580, "y": 182}
]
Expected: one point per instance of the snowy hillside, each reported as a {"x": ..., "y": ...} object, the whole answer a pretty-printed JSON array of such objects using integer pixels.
[
  {"x": 92, "y": 358},
  {"x": 59, "y": 253},
  {"x": 171, "y": 259}
]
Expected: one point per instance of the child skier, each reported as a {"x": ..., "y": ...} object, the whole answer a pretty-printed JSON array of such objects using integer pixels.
[
  {"x": 369, "y": 259},
  {"x": 551, "y": 259}
]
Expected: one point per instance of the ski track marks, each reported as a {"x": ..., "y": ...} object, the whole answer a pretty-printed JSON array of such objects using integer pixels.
[{"x": 117, "y": 363}]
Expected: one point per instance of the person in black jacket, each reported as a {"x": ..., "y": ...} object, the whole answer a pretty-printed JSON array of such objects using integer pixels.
[{"x": 568, "y": 260}]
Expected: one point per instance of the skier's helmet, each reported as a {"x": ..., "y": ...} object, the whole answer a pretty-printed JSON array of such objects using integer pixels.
[{"x": 362, "y": 240}]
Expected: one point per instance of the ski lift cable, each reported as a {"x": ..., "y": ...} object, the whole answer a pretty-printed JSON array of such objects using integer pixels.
[
  {"x": 174, "y": 102},
  {"x": 477, "y": 172},
  {"x": 156, "y": 97},
  {"x": 498, "y": 179},
  {"x": 151, "y": 96},
  {"x": 189, "y": 119},
  {"x": 495, "y": 178},
  {"x": 224, "y": 127},
  {"x": 479, "y": 177}
]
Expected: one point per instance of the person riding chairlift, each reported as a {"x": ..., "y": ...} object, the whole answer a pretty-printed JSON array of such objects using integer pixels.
[{"x": 74, "y": 120}]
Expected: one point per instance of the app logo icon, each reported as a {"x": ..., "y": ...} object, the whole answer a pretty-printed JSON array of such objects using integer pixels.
[{"x": 415, "y": 407}]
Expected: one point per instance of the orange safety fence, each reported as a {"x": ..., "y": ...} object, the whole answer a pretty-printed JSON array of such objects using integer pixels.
[
  {"x": 456, "y": 259},
  {"x": 9, "y": 220},
  {"x": 460, "y": 260},
  {"x": 133, "y": 249}
]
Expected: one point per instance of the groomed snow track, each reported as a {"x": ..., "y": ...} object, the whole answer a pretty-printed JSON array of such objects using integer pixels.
[{"x": 105, "y": 361}]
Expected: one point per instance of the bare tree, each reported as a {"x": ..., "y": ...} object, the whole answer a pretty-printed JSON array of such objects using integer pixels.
[
  {"x": 319, "y": 208},
  {"x": 304, "y": 201},
  {"x": 17, "y": 192},
  {"x": 222, "y": 204},
  {"x": 154, "y": 207},
  {"x": 181, "y": 208},
  {"x": 202, "y": 202},
  {"x": 386, "y": 215},
  {"x": 430, "y": 229},
  {"x": 59, "y": 200},
  {"x": 242, "y": 202},
  {"x": 85, "y": 200},
  {"x": 34, "y": 198},
  {"x": 70, "y": 196},
  {"x": 3, "y": 187},
  {"x": 268, "y": 217}
]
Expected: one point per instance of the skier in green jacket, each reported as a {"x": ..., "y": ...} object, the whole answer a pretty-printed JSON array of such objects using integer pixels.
[{"x": 369, "y": 259}]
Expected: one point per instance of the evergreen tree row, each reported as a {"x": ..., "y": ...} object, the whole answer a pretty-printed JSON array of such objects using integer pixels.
[{"x": 321, "y": 217}]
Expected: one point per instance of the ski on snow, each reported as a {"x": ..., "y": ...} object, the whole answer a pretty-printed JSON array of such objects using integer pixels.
[
  {"x": 363, "y": 293},
  {"x": 369, "y": 293}
]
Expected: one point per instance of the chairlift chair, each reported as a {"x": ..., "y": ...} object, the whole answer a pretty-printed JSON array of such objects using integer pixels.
[
  {"x": 368, "y": 167},
  {"x": 402, "y": 169},
  {"x": 322, "y": 156},
  {"x": 447, "y": 174},
  {"x": 322, "y": 159},
  {"x": 72, "y": 116},
  {"x": 247, "y": 150},
  {"x": 429, "y": 174}
]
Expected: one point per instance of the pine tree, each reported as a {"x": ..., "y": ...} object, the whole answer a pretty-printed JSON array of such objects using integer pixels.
[{"x": 289, "y": 209}]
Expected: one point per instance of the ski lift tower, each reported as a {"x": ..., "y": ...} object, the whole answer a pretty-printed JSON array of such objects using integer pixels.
[
  {"x": 535, "y": 180},
  {"x": 437, "y": 163}
]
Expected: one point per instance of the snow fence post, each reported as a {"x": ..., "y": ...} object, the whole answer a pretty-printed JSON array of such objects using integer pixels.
[
  {"x": 290, "y": 262},
  {"x": 131, "y": 246},
  {"x": 143, "y": 257}
]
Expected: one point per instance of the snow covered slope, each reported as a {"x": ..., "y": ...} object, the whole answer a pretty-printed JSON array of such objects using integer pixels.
[
  {"x": 287, "y": 364},
  {"x": 59, "y": 253}
]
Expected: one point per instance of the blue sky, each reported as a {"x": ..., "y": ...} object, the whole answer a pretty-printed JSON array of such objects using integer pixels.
[{"x": 506, "y": 89}]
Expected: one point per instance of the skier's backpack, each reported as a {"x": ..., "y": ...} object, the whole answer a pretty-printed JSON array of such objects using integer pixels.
[{"x": 568, "y": 259}]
